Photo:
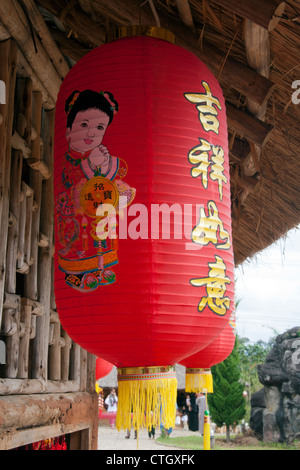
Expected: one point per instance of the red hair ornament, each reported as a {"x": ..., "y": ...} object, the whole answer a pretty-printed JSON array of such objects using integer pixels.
[{"x": 132, "y": 285}]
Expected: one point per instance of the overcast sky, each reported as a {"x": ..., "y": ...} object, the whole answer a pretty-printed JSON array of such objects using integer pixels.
[{"x": 268, "y": 288}]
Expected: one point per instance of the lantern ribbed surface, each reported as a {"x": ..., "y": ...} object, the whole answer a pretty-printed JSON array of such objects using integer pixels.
[
  {"x": 103, "y": 368},
  {"x": 198, "y": 377},
  {"x": 144, "y": 299}
]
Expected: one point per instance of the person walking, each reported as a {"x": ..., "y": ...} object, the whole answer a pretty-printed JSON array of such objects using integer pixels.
[
  {"x": 201, "y": 402},
  {"x": 193, "y": 414},
  {"x": 112, "y": 403}
]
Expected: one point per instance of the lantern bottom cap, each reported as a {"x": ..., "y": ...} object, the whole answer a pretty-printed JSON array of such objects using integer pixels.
[
  {"x": 198, "y": 381},
  {"x": 146, "y": 397}
]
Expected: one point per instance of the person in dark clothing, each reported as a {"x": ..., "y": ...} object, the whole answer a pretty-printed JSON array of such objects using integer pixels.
[{"x": 193, "y": 414}]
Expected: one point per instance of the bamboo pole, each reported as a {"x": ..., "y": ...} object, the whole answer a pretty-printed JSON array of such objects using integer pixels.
[{"x": 185, "y": 13}]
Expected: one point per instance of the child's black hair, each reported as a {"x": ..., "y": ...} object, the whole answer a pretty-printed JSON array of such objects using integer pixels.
[{"x": 87, "y": 99}]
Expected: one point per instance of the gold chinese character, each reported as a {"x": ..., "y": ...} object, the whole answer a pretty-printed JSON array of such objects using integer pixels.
[
  {"x": 217, "y": 167},
  {"x": 209, "y": 227},
  {"x": 215, "y": 288},
  {"x": 199, "y": 156},
  {"x": 206, "y": 105},
  {"x": 209, "y": 161}
]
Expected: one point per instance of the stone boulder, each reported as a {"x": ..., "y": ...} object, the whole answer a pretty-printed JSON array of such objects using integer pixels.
[
  {"x": 257, "y": 410},
  {"x": 280, "y": 375}
]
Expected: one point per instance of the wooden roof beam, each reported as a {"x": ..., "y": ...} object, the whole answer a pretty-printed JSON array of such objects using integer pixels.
[
  {"x": 234, "y": 73},
  {"x": 70, "y": 47},
  {"x": 46, "y": 39},
  {"x": 239, "y": 150},
  {"x": 248, "y": 126},
  {"x": 239, "y": 76},
  {"x": 77, "y": 21},
  {"x": 16, "y": 23},
  {"x": 266, "y": 13}
]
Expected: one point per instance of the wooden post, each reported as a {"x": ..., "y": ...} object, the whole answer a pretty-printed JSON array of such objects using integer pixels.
[
  {"x": 56, "y": 343},
  {"x": 13, "y": 315},
  {"x": 13, "y": 231},
  {"x": 257, "y": 43},
  {"x": 91, "y": 373},
  {"x": 265, "y": 13},
  {"x": 75, "y": 363},
  {"x": 24, "y": 228},
  {"x": 31, "y": 280},
  {"x": 11, "y": 325},
  {"x": 8, "y": 59},
  {"x": 65, "y": 356},
  {"x": 43, "y": 258},
  {"x": 83, "y": 369},
  {"x": 24, "y": 341}
]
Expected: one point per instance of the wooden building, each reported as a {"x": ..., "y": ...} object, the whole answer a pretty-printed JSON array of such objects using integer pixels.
[{"x": 252, "y": 46}]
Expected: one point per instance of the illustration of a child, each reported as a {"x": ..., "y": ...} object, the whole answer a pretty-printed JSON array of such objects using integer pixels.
[{"x": 91, "y": 177}]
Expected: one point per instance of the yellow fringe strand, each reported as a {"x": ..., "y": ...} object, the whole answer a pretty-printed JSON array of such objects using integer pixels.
[
  {"x": 146, "y": 398},
  {"x": 198, "y": 381}
]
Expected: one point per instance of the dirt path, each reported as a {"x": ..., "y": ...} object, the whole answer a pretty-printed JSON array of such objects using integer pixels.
[{"x": 111, "y": 439}]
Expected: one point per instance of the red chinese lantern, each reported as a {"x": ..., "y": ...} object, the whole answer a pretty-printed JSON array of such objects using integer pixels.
[
  {"x": 198, "y": 377},
  {"x": 103, "y": 368},
  {"x": 141, "y": 135}
]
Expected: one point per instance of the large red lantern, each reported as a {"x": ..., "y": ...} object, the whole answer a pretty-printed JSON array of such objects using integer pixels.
[
  {"x": 140, "y": 140},
  {"x": 103, "y": 368},
  {"x": 198, "y": 377}
]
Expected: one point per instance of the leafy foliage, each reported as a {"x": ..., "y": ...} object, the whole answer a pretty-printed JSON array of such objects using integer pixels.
[
  {"x": 227, "y": 404},
  {"x": 251, "y": 355}
]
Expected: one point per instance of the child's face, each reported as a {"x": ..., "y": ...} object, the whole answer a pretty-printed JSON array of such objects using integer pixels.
[{"x": 87, "y": 130}]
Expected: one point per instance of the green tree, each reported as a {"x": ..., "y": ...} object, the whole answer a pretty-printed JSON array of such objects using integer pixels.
[
  {"x": 252, "y": 354},
  {"x": 227, "y": 405}
]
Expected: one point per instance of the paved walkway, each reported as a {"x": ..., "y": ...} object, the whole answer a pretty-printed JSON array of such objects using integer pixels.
[{"x": 111, "y": 439}]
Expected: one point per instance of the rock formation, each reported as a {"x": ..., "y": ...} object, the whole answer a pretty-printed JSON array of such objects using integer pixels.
[{"x": 275, "y": 413}]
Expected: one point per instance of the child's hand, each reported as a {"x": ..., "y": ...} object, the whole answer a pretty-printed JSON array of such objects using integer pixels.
[{"x": 99, "y": 155}]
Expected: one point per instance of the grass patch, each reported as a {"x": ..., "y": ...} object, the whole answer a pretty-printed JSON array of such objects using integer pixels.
[
  {"x": 237, "y": 443},
  {"x": 188, "y": 442}
]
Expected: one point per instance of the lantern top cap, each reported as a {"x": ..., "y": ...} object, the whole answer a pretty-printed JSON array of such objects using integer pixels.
[{"x": 140, "y": 30}]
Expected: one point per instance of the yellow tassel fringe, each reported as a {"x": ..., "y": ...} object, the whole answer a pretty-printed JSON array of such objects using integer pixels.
[
  {"x": 146, "y": 398},
  {"x": 198, "y": 381}
]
